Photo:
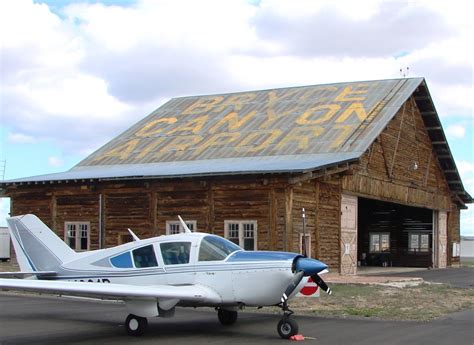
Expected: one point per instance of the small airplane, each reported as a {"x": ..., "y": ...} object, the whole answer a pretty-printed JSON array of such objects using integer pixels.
[{"x": 153, "y": 276}]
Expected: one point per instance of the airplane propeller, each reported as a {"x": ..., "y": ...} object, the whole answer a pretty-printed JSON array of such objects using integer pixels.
[
  {"x": 305, "y": 267},
  {"x": 320, "y": 282}
]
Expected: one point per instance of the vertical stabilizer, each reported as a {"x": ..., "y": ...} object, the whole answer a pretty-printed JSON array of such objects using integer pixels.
[{"x": 37, "y": 247}]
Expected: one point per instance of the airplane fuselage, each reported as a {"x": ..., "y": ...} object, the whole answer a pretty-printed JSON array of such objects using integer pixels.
[{"x": 240, "y": 278}]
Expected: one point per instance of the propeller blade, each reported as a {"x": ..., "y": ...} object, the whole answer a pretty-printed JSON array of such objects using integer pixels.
[
  {"x": 317, "y": 279},
  {"x": 294, "y": 283}
]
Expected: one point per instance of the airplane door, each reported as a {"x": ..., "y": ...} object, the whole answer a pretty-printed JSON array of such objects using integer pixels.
[{"x": 178, "y": 258}]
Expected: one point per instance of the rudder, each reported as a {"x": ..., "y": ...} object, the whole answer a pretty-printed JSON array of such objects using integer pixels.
[{"x": 37, "y": 247}]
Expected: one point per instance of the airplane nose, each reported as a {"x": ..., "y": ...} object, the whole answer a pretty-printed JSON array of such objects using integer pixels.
[{"x": 309, "y": 266}]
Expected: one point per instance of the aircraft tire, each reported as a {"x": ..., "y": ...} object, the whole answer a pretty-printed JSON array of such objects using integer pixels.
[
  {"x": 136, "y": 325},
  {"x": 227, "y": 317},
  {"x": 287, "y": 327}
]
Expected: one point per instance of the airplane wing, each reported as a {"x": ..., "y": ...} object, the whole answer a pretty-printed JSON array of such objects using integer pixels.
[
  {"x": 191, "y": 293},
  {"x": 22, "y": 274}
]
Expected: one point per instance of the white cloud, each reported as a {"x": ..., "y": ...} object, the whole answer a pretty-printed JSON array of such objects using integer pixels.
[
  {"x": 18, "y": 138},
  {"x": 456, "y": 131},
  {"x": 465, "y": 168},
  {"x": 55, "y": 162}
]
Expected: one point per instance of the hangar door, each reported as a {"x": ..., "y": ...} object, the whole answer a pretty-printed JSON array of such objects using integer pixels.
[{"x": 394, "y": 235}]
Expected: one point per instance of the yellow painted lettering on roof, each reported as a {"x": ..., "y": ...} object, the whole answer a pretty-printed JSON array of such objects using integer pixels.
[
  {"x": 181, "y": 143},
  {"x": 235, "y": 101},
  {"x": 344, "y": 132},
  {"x": 150, "y": 147},
  {"x": 318, "y": 114},
  {"x": 216, "y": 140},
  {"x": 202, "y": 105},
  {"x": 193, "y": 125},
  {"x": 349, "y": 94},
  {"x": 355, "y": 108},
  {"x": 122, "y": 151},
  {"x": 155, "y": 127},
  {"x": 258, "y": 141},
  {"x": 232, "y": 121},
  {"x": 300, "y": 136},
  {"x": 271, "y": 116}
]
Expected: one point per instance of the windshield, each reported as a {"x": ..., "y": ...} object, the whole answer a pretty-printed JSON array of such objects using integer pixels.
[{"x": 216, "y": 248}]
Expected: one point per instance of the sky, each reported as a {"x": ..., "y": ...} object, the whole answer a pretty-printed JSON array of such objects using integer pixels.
[{"x": 74, "y": 74}]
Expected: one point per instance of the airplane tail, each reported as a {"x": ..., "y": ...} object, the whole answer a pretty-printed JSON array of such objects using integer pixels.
[{"x": 37, "y": 247}]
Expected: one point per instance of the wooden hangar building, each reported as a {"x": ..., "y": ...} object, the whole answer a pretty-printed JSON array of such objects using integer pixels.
[{"x": 368, "y": 161}]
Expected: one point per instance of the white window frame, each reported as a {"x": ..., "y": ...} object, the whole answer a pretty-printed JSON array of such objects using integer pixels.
[
  {"x": 192, "y": 225},
  {"x": 379, "y": 234},
  {"x": 241, "y": 224},
  {"x": 78, "y": 225},
  {"x": 308, "y": 244},
  {"x": 418, "y": 248}
]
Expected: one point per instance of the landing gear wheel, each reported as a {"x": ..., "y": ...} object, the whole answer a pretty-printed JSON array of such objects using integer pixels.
[
  {"x": 226, "y": 317},
  {"x": 287, "y": 327},
  {"x": 136, "y": 325}
]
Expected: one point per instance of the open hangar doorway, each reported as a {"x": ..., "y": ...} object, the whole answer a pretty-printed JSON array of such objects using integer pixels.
[{"x": 391, "y": 234}]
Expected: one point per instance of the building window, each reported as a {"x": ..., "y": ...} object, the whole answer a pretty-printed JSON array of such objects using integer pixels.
[
  {"x": 418, "y": 242},
  {"x": 174, "y": 227},
  {"x": 308, "y": 244},
  {"x": 242, "y": 233},
  {"x": 77, "y": 235},
  {"x": 379, "y": 242}
]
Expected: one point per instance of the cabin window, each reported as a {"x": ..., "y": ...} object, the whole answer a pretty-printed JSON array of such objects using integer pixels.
[
  {"x": 175, "y": 227},
  {"x": 144, "y": 257},
  {"x": 215, "y": 248},
  {"x": 242, "y": 232},
  {"x": 379, "y": 242},
  {"x": 418, "y": 242},
  {"x": 76, "y": 235},
  {"x": 175, "y": 253},
  {"x": 123, "y": 260}
]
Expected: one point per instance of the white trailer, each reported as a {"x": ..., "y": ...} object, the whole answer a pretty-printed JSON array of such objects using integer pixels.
[{"x": 4, "y": 244}]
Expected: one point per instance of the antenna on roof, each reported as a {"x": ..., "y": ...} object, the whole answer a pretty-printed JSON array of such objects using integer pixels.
[
  {"x": 404, "y": 72},
  {"x": 135, "y": 237},
  {"x": 185, "y": 227}
]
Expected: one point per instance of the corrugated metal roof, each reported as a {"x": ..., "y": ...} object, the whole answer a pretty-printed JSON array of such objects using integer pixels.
[
  {"x": 330, "y": 118},
  {"x": 222, "y": 166},
  {"x": 293, "y": 129}
]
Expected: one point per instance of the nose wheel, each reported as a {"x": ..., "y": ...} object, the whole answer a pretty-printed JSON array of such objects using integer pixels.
[{"x": 287, "y": 327}]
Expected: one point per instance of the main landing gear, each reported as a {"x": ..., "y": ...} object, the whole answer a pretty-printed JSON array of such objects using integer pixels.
[
  {"x": 136, "y": 325},
  {"x": 226, "y": 317}
]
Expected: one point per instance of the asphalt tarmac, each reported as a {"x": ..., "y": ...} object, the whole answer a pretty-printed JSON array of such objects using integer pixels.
[{"x": 27, "y": 319}]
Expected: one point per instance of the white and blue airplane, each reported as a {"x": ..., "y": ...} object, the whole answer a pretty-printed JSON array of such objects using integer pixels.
[{"x": 153, "y": 276}]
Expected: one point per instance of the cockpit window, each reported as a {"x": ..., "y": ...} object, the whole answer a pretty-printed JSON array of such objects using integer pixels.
[
  {"x": 144, "y": 257},
  {"x": 123, "y": 260},
  {"x": 216, "y": 248},
  {"x": 175, "y": 253}
]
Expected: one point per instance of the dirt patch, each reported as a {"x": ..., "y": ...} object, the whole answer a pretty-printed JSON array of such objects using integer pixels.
[{"x": 422, "y": 302}]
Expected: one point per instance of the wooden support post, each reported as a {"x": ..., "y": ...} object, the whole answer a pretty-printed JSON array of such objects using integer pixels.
[
  {"x": 427, "y": 172},
  {"x": 154, "y": 211},
  {"x": 398, "y": 141},
  {"x": 288, "y": 233}
]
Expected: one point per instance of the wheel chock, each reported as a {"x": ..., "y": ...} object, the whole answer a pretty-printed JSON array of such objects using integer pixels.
[{"x": 297, "y": 337}]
